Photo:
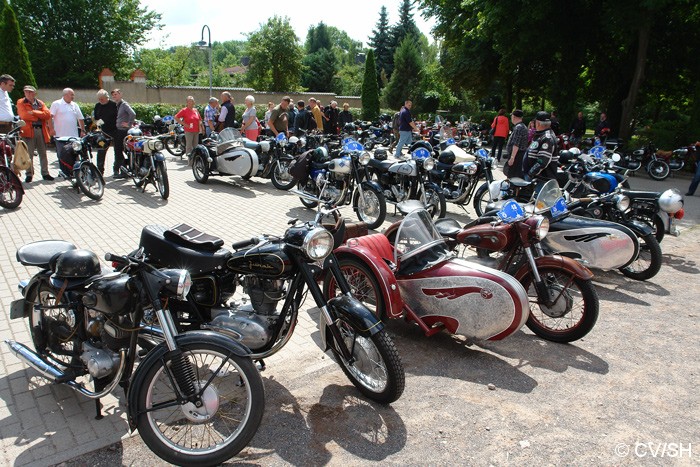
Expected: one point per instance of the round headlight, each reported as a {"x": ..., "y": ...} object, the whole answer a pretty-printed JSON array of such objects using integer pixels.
[
  {"x": 76, "y": 145},
  {"x": 184, "y": 284},
  {"x": 428, "y": 163},
  {"x": 622, "y": 202},
  {"x": 364, "y": 158},
  {"x": 318, "y": 243},
  {"x": 472, "y": 169},
  {"x": 159, "y": 145},
  {"x": 542, "y": 228}
]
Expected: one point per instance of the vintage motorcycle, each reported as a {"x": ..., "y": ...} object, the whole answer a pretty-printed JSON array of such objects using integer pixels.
[
  {"x": 420, "y": 278},
  {"x": 239, "y": 293},
  {"x": 146, "y": 162},
  {"x": 11, "y": 189},
  {"x": 85, "y": 326},
  {"x": 76, "y": 161}
]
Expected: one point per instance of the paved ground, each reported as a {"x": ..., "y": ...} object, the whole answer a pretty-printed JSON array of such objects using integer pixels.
[{"x": 632, "y": 380}]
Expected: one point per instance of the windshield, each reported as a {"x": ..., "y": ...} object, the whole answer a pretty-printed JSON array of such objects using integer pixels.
[
  {"x": 550, "y": 198},
  {"x": 418, "y": 243},
  {"x": 229, "y": 134}
]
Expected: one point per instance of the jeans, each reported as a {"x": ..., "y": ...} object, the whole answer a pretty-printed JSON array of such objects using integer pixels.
[
  {"x": 119, "y": 161},
  {"x": 497, "y": 146},
  {"x": 405, "y": 137},
  {"x": 696, "y": 181}
]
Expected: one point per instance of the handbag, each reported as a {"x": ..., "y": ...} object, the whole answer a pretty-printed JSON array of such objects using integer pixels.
[
  {"x": 21, "y": 159},
  {"x": 493, "y": 129}
]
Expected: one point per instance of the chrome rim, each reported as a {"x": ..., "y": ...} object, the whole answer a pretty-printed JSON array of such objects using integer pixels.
[
  {"x": 369, "y": 367},
  {"x": 369, "y": 206}
]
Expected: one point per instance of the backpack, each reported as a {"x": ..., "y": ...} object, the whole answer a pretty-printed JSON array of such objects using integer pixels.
[{"x": 395, "y": 121}]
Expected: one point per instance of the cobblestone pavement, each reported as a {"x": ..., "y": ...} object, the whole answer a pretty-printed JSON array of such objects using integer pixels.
[{"x": 42, "y": 424}]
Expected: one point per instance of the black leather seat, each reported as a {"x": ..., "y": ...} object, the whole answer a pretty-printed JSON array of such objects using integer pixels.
[
  {"x": 42, "y": 253},
  {"x": 165, "y": 252},
  {"x": 380, "y": 165},
  {"x": 448, "y": 227},
  {"x": 319, "y": 165},
  {"x": 635, "y": 194},
  {"x": 516, "y": 181},
  {"x": 189, "y": 237}
]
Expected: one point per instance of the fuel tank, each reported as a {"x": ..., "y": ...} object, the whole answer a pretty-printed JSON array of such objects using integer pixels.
[
  {"x": 111, "y": 295},
  {"x": 469, "y": 299},
  {"x": 404, "y": 168},
  {"x": 340, "y": 165},
  {"x": 487, "y": 236},
  {"x": 269, "y": 260}
]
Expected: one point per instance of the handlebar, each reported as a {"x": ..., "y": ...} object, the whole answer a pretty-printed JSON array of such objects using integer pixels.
[{"x": 245, "y": 243}]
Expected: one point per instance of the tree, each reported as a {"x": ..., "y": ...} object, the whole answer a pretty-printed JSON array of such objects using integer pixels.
[
  {"x": 317, "y": 38},
  {"x": 319, "y": 71},
  {"x": 70, "y": 41},
  {"x": 370, "y": 89},
  {"x": 380, "y": 41},
  {"x": 15, "y": 59},
  {"x": 275, "y": 56},
  {"x": 405, "y": 27},
  {"x": 408, "y": 73}
]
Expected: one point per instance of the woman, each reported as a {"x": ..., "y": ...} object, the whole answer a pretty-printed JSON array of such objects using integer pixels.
[
  {"x": 531, "y": 131},
  {"x": 192, "y": 122},
  {"x": 250, "y": 120},
  {"x": 270, "y": 106},
  {"x": 500, "y": 127}
]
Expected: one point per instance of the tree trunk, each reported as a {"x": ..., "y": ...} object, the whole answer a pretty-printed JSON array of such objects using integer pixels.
[{"x": 629, "y": 102}]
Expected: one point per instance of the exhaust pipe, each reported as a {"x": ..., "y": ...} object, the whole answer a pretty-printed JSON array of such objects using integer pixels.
[{"x": 304, "y": 195}]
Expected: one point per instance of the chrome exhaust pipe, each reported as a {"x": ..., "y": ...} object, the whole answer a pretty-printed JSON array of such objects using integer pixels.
[{"x": 305, "y": 195}]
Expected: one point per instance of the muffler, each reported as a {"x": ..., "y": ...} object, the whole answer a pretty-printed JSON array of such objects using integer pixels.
[{"x": 31, "y": 358}]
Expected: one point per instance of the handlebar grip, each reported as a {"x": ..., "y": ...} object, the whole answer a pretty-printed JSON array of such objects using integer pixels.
[
  {"x": 108, "y": 257},
  {"x": 112, "y": 258},
  {"x": 245, "y": 243}
]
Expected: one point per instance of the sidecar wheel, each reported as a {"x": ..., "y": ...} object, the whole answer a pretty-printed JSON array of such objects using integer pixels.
[
  {"x": 280, "y": 177},
  {"x": 363, "y": 284},
  {"x": 648, "y": 262},
  {"x": 200, "y": 169},
  {"x": 571, "y": 316},
  {"x": 371, "y": 207}
]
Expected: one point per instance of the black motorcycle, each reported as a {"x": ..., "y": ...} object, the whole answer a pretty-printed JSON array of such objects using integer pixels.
[
  {"x": 146, "y": 162},
  {"x": 11, "y": 189},
  {"x": 76, "y": 162},
  {"x": 196, "y": 398},
  {"x": 239, "y": 293}
]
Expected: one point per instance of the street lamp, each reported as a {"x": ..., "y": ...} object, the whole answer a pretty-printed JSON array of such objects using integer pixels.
[{"x": 204, "y": 44}]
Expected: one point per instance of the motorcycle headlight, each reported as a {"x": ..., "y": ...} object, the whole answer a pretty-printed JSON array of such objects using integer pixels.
[
  {"x": 318, "y": 243},
  {"x": 76, "y": 145},
  {"x": 472, "y": 169},
  {"x": 159, "y": 145},
  {"x": 364, "y": 158},
  {"x": 154, "y": 145},
  {"x": 542, "y": 228},
  {"x": 622, "y": 202},
  {"x": 429, "y": 163},
  {"x": 179, "y": 282}
]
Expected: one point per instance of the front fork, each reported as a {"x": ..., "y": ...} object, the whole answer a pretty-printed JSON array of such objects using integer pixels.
[{"x": 540, "y": 286}]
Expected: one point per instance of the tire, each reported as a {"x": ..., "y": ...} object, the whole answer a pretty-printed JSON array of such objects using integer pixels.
[
  {"x": 280, "y": 177},
  {"x": 238, "y": 380},
  {"x": 372, "y": 208},
  {"x": 363, "y": 285},
  {"x": 648, "y": 262},
  {"x": 173, "y": 146},
  {"x": 377, "y": 370},
  {"x": 482, "y": 198},
  {"x": 655, "y": 222},
  {"x": 658, "y": 170},
  {"x": 574, "y": 313},
  {"x": 302, "y": 186},
  {"x": 10, "y": 190},
  {"x": 435, "y": 202},
  {"x": 90, "y": 181},
  {"x": 200, "y": 169},
  {"x": 161, "y": 179}
]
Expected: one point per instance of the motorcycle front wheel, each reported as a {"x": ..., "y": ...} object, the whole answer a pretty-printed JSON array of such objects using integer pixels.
[
  {"x": 90, "y": 181},
  {"x": 573, "y": 310},
  {"x": 161, "y": 179},
  {"x": 370, "y": 207},
  {"x": 280, "y": 177},
  {"x": 658, "y": 170},
  {"x": 648, "y": 262},
  {"x": 10, "y": 190},
  {"x": 200, "y": 168},
  {"x": 174, "y": 146},
  {"x": 233, "y": 402},
  {"x": 435, "y": 202},
  {"x": 377, "y": 370}
]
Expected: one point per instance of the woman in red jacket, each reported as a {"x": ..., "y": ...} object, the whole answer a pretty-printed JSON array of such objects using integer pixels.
[{"x": 500, "y": 128}]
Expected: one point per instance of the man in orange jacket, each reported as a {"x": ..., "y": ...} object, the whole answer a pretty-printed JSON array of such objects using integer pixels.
[{"x": 36, "y": 132}]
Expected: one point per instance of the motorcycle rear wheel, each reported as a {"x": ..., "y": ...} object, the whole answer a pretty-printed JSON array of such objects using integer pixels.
[
  {"x": 653, "y": 221},
  {"x": 200, "y": 169},
  {"x": 658, "y": 170},
  {"x": 233, "y": 407},
  {"x": 10, "y": 190},
  {"x": 173, "y": 146},
  {"x": 161, "y": 179},
  {"x": 371, "y": 207},
  {"x": 280, "y": 177},
  {"x": 90, "y": 181},
  {"x": 648, "y": 262}
]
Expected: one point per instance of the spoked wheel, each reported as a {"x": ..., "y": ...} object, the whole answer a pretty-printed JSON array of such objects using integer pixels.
[
  {"x": 370, "y": 207},
  {"x": 281, "y": 179},
  {"x": 200, "y": 168},
  {"x": 161, "y": 179},
  {"x": 435, "y": 202},
  {"x": 648, "y": 262},
  {"x": 482, "y": 198},
  {"x": 653, "y": 221},
  {"x": 310, "y": 188},
  {"x": 90, "y": 181},
  {"x": 219, "y": 424},
  {"x": 10, "y": 190},
  {"x": 572, "y": 310},
  {"x": 363, "y": 285},
  {"x": 174, "y": 146},
  {"x": 376, "y": 369},
  {"x": 658, "y": 170}
]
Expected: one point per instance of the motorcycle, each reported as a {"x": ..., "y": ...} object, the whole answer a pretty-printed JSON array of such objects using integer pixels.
[
  {"x": 420, "y": 278},
  {"x": 238, "y": 294},
  {"x": 76, "y": 161},
  {"x": 339, "y": 180},
  {"x": 11, "y": 189},
  {"x": 146, "y": 162},
  {"x": 227, "y": 153},
  {"x": 657, "y": 167},
  {"x": 85, "y": 327}
]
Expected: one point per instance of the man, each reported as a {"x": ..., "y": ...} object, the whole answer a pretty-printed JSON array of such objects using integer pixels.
[
  {"x": 7, "y": 84},
  {"x": 696, "y": 179},
  {"x": 542, "y": 156},
  {"x": 603, "y": 128},
  {"x": 210, "y": 115},
  {"x": 316, "y": 113},
  {"x": 105, "y": 110},
  {"x": 36, "y": 131},
  {"x": 227, "y": 117},
  {"x": 406, "y": 127},
  {"x": 578, "y": 129},
  {"x": 301, "y": 122},
  {"x": 279, "y": 120},
  {"x": 516, "y": 146},
  {"x": 66, "y": 120},
  {"x": 125, "y": 120},
  {"x": 555, "y": 122},
  {"x": 292, "y": 113},
  {"x": 331, "y": 113}
]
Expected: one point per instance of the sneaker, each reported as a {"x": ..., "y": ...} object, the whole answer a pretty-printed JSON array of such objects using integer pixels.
[
  {"x": 28, "y": 179},
  {"x": 47, "y": 177}
]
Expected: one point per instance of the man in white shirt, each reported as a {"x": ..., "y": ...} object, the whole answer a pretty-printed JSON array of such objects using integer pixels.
[
  {"x": 7, "y": 84},
  {"x": 66, "y": 119}
]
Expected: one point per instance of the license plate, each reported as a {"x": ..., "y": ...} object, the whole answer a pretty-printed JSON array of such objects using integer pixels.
[{"x": 20, "y": 309}]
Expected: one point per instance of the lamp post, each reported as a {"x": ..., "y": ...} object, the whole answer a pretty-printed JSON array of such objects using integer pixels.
[{"x": 204, "y": 44}]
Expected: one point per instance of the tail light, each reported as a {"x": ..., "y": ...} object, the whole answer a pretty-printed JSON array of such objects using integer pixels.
[{"x": 679, "y": 214}]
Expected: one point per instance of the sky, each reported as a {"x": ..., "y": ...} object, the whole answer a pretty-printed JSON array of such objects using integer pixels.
[{"x": 183, "y": 19}]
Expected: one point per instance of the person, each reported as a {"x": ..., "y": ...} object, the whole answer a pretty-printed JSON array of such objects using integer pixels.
[
  {"x": 331, "y": 113},
  {"x": 227, "y": 117},
  {"x": 578, "y": 129},
  {"x": 530, "y": 131},
  {"x": 36, "y": 131},
  {"x": 105, "y": 110},
  {"x": 125, "y": 120},
  {"x": 406, "y": 126},
  {"x": 292, "y": 118},
  {"x": 696, "y": 179},
  {"x": 516, "y": 147},
  {"x": 250, "y": 125},
  {"x": 316, "y": 113},
  {"x": 301, "y": 122},
  {"x": 279, "y": 119},
  {"x": 7, "y": 116},
  {"x": 345, "y": 116},
  {"x": 211, "y": 113},
  {"x": 500, "y": 129},
  {"x": 555, "y": 122},
  {"x": 395, "y": 121},
  {"x": 270, "y": 106},
  {"x": 603, "y": 128},
  {"x": 542, "y": 156},
  {"x": 192, "y": 123},
  {"x": 66, "y": 119}
]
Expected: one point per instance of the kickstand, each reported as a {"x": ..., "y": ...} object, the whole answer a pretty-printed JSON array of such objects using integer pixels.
[
  {"x": 98, "y": 410},
  {"x": 463, "y": 208},
  {"x": 260, "y": 364}
]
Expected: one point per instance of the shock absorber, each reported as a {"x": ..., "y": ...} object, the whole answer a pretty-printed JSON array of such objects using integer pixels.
[{"x": 183, "y": 372}]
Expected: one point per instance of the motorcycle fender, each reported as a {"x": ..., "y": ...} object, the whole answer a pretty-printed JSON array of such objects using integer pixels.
[
  {"x": 22, "y": 308},
  {"x": 191, "y": 337},
  {"x": 642, "y": 229},
  {"x": 12, "y": 177},
  {"x": 159, "y": 156},
  {"x": 384, "y": 275},
  {"x": 355, "y": 312},
  {"x": 557, "y": 262},
  {"x": 373, "y": 184}
]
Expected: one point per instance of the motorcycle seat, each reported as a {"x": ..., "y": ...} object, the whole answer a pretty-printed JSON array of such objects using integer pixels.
[
  {"x": 381, "y": 165},
  {"x": 516, "y": 181},
  {"x": 636, "y": 194},
  {"x": 187, "y": 236},
  {"x": 42, "y": 253},
  {"x": 166, "y": 252},
  {"x": 448, "y": 227},
  {"x": 319, "y": 165}
]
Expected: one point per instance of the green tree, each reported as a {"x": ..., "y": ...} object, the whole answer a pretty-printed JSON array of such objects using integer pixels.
[
  {"x": 370, "y": 90},
  {"x": 275, "y": 56},
  {"x": 166, "y": 67},
  {"x": 344, "y": 47},
  {"x": 70, "y": 41},
  {"x": 405, "y": 82},
  {"x": 318, "y": 38},
  {"x": 319, "y": 71},
  {"x": 15, "y": 59},
  {"x": 380, "y": 41},
  {"x": 350, "y": 80},
  {"x": 406, "y": 26}
]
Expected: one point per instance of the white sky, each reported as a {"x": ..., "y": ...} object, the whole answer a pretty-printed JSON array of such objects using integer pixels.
[{"x": 183, "y": 19}]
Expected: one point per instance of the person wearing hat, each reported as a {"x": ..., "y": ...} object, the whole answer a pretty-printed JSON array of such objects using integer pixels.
[
  {"x": 542, "y": 155},
  {"x": 516, "y": 147},
  {"x": 36, "y": 131}
]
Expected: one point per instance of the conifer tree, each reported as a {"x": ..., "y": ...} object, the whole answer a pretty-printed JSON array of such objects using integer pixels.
[
  {"x": 14, "y": 58},
  {"x": 408, "y": 71},
  {"x": 381, "y": 43},
  {"x": 370, "y": 89}
]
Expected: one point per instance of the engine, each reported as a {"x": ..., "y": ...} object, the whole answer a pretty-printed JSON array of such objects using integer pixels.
[
  {"x": 264, "y": 293},
  {"x": 100, "y": 362}
]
